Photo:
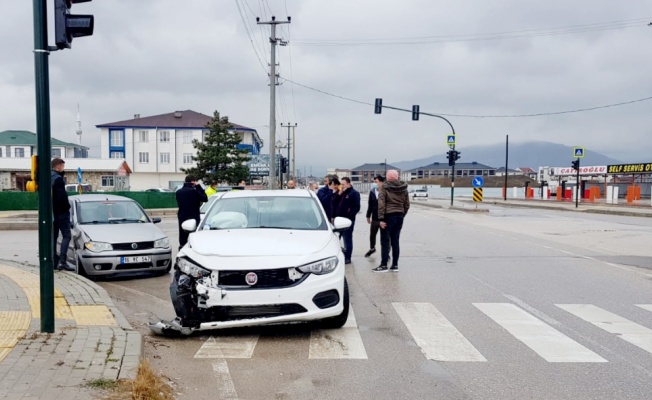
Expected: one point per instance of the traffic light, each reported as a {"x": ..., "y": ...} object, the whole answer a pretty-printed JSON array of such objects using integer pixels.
[
  {"x": 452, "y": 156},
  {"x": 576, "y": 164},
  {"x": 68, "y": 26},
  {"x": 415, "y": 113},
  {"x": 32, "y": 186},
  {"x": 284, "y": 165},
  {"x": 378, "y": 107},
  {"x": 457, "y": 154}
]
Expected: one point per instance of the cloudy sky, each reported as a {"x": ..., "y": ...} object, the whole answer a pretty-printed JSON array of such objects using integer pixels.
[{"x": 480, "y": 58}]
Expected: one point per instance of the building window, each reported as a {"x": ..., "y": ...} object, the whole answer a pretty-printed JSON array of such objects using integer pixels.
[
  {"x": 187, "y": 137},
  {"x": 116, "y": 138},
  {"x": 56, "y": 153},
  {"x": 143, "y": 136},
  {"x": 143, "y": 158},
  {"x": 187, "y": 158},
  {"x": 19, "y": 153},
  {"x": 107, "y": 181},
  {"x": 164, "y": 136},
  {"x": 165, "y": 158},
  {"x": 117, "y": 154},
  {"x": 0, "y": 151}
]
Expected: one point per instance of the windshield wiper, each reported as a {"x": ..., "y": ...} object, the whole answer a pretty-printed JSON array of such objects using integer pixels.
[{"x": 271, "y": 227}]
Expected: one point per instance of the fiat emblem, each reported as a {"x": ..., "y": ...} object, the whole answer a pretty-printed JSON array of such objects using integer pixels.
[
  {"x": 134, "y": 246},
  {"x": 251, "y": 278}
]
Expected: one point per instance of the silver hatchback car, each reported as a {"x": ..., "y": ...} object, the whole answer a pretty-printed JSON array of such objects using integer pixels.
[{"x": 113, "y": 234}]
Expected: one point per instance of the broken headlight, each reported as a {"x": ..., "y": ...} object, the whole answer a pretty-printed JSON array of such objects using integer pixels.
[
  {"x": 320, "y": 267},
  {"x": 191, "y": 269}
]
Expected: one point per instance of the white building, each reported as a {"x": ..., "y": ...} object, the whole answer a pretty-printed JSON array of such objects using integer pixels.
[{"x": 157, "y": 147}]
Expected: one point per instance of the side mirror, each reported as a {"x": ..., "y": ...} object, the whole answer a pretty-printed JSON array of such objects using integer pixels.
[
  {"x": 189, "y": 225},
  {"x": 340, "y": 224},
  {"x": 156, "y": 220}
]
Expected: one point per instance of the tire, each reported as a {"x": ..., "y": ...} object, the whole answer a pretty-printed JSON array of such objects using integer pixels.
[{"x": 338, "y": 321}]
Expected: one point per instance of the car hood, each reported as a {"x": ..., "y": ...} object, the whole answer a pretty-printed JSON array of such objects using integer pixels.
[
  {"x": 258, "y": 242},
  {"x": 122, "y": 233}
]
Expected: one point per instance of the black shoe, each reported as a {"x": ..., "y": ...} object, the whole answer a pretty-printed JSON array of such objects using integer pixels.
[
  {"x": 347, "y": 262},
  {"x": 380, "y": 268},
  {"x": 370, "y": 252},
  {"x": 394, "y": 268},
  {"x": 65, "y": 267}
]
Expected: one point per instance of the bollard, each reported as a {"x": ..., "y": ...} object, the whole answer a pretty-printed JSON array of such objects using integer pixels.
[
  {"x": 515, "y": 192},
  {"x": 609, "y": 197},
  {"x": 615, "y": 195}
]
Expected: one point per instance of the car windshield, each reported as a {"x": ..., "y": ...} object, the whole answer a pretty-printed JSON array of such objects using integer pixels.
[
  {"x": 207, "y": 205},
  {"x": 266, "y": 212},
  {"x": 110, "y": 212}
]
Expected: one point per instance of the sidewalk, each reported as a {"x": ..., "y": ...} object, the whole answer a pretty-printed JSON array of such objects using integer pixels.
[{"x": 92, "y": 340}]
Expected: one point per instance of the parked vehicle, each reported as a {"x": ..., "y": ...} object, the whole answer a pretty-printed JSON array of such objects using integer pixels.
[
  {"x": 113, "y": 234},
  {"x": 74, "y": 187},
  {"x": 259, "y": 257},
  {"x": 420, "y": 193},
  {"x": 159, "y": 190}
]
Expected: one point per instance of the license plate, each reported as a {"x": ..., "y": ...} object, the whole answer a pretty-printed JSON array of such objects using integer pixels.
[{"x": 135, "y": 259}]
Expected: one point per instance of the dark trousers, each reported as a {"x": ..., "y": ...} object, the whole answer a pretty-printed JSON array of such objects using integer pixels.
[
  {"x": 347, "y": 236},
  {"x": 375, "y": 226},
  {"x": 390, "y": 236},
  {"x": 61, "y": 224}
]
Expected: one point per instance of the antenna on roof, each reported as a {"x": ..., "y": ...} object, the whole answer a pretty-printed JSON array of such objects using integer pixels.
[{"x": 79, "y": 128}]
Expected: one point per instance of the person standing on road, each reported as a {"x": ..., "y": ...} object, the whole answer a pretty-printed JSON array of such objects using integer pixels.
[
  {"x": 325, "y": 194},
  {"x": 314, "y": 186},
  {"x": 393, "y": 205},
  {"x": 61, "y": 214},
  {"x": 212, "y": 189},
  {"x": 292, "y": 184},
  {"x": 189, "y": 199},
  {"x": 372, "y": 214},
  {"x": 347, "y": 204}
]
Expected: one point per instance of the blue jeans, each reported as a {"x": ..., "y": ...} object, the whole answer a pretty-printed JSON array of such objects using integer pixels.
[
  {"x": 391, "y": 235},
  {"x": 61, "y": 224},
  {"x": 347, "y": 236}
]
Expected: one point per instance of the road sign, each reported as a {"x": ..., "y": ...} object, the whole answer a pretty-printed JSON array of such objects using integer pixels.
[
  {"x": 450, "y": 140},
  {"x": 477, "y": 194},
  {"x": 478, "y": 182},
  {"x": 79, "y": 175},
  {"x": 578, "y": 152}
]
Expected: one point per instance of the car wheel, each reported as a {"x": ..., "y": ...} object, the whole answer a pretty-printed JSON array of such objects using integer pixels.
[{"x": 338, "y": 321}]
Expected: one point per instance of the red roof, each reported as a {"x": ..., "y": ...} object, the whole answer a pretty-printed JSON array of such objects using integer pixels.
[{"x": 176, "y": 120}]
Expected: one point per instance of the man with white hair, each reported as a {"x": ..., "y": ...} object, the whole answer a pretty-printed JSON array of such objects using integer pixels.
[{"x": 393, "y": 205}]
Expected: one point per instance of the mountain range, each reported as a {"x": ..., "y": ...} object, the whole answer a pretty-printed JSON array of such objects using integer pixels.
[{"x": 527, "y": 154}]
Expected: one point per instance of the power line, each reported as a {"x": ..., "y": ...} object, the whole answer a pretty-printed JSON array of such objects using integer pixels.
[
  {"x": 294, "y": 108},
  {"x": 263, "y": 42},
  {"x": 486, "y": 116},
  {"x": 249, "y": 35}
]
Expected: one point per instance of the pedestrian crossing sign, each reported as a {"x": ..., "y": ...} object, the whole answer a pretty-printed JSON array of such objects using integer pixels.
[
  {"x": 578, "y": 152},
  {"x": 450, "y": 140}
]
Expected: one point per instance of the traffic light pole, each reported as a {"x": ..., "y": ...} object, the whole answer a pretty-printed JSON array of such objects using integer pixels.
[
  {"x": 577, "y": 185},
  {"x": 41, "y": 54},
  {"x": 452, "y": 178}
]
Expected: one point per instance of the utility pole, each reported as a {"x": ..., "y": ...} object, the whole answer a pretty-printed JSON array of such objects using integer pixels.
[
  {"x": 272, "y": 97},
  {"x": 291, "y": 167}
]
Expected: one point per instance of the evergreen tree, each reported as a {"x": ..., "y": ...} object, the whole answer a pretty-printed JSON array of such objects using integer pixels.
[{"x": 218, "y": 158}]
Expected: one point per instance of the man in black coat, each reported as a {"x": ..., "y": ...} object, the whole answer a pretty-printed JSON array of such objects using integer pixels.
[
  {"x": 346, "y": 203},
  {"x": 189, "y": 199},
  {"x": 372, "y": 214},
  {"x": 61, "y": 214},
  {"x": 325, "y": 194}
]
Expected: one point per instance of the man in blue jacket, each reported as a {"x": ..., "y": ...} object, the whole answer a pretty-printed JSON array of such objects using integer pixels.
[
  {"x": 61, "y": 214},
  {"x": 189, "y": 199},
  {"x": 346, "y": 203},
  {"x": 325, "y": 194}
]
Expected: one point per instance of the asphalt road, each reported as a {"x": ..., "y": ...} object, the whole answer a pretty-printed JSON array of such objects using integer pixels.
[{"x": 509, "y": 304}]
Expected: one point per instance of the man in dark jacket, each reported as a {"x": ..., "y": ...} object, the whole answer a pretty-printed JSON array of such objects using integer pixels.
[
  {"x": 325, "y": 194},
  {"x": 393, "y": 205},
  {"x": 372, "y": 213},
  {"x": 189, "y": 199},
  {"x": 346, "y": 203},
  {"x": 61, "y": 214}
]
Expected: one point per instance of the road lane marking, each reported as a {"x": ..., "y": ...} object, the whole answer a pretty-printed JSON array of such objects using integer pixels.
[
  {"x": 546, "y": 341},
  {"x": 226, "y": 387},
  {"x": 345, "y": 342},
  {"x": 438, "y": 339},
  {"x": 645, "y": 306},
  {"x": 638, "y": 335},
  {"x": 228, "y": 347}
]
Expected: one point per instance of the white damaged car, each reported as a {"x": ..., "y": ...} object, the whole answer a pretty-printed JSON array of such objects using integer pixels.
[{"x": 259, "y": 257}]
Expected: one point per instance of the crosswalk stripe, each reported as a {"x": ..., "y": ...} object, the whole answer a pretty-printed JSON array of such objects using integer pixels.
[
  {"x": 546, "y": 341},
  {"x": 228, "y": 347},
  {"x": 345, "y": 342},
  {"x": 636, "y": 334},
  {"x": 226, "y": 387},
  {"x": 438, "y": 339},
  {"x": 645, "y": 306}
]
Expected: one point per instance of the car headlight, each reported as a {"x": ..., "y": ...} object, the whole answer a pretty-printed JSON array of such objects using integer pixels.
[
  {"x": 320, "y": 267},
  {"x": 190, "y": 268},
  {"x": 162, "y": 243},
  {"x": 98, "y": 247}
]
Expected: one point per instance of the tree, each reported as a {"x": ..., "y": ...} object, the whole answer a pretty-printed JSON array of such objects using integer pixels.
[{"x": 218, "y": 157}]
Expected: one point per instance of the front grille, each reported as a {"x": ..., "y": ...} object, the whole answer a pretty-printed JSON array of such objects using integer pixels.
[
  {"x": 122, "y": 267},
  {"x": 267, "y": 278},
  {"x": 234, "y": 313},
  {"x": 127, "y": 246}
]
